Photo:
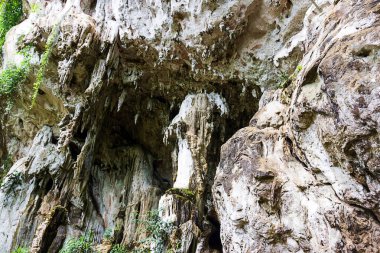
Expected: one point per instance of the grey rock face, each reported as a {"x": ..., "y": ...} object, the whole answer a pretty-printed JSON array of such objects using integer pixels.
[
  {"x": 301, "y": 177},
  {"x": 138, "y": 98}
]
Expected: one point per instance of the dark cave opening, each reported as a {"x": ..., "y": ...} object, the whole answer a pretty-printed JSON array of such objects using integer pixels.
[
  {"x": 48, "y": 185},
  {"x": 140, "y": 122},
  {"x": 74, "y": 150},
  {"x": 214, "y": 240}
]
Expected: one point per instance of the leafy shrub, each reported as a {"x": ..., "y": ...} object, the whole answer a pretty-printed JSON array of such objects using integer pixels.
[
  {"x": 157, "y": 232},
  {"x": 13, "y": 75},
  {"x": 119, "y": 248},
  {"x": 10, "y": 78},
  {"x": 21, "y": 250},
  {"x": 10, "y": 15},
  {"x": 83, "y": 244}
]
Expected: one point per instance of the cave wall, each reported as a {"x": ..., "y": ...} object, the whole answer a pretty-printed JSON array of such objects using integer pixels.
[{"x": 139, "y": 97}]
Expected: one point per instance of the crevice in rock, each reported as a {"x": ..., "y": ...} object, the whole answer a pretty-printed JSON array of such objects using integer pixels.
[
  {"x": 55, "y": 232},
  {"x": 293, "y": 152},
  {"x": 123, "y": 83},
  {"x": 93, "y": 199},
  {"x": 48, "y": 185},
  {"x": 214, "y": 241},
  {"x": 74, "y": 150},
  {"x": 311, "y": 75},
  {"x": 370, "y": 212}
]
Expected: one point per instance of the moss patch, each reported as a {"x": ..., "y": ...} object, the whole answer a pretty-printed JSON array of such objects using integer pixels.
[{"x": 184, "y": 193}]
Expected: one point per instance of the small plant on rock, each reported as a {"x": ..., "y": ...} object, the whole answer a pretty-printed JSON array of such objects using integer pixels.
[
  {"x": 119, "y": 248},
  {"x": 157, "y": 232},
  {"x": 83, "y": 244},
  {"x": 21, "y": 250},
  {"x": 35, "y": 7},
  {"x": 285, "y": 80}
]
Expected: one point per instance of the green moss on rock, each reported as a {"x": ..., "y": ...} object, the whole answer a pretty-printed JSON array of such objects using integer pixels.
[{"x": 184, "y": 193}]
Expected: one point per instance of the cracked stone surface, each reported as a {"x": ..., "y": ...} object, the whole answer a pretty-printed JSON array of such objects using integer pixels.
[
  {"x": 175, "y": 106},
  {"x": 302, "y": 177}
]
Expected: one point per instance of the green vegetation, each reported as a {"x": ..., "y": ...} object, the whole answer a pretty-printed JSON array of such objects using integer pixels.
[
  {"x": 110, "y": 234},
  {"x": 10, "y": 15},
  {"x": 21, "y": 250},
  {"x": 10, "y": 78},
  {"x": 11, "y": 12},
  {"x": 44, "y": 61},
  {"x": 83, "y": 244},
  {"x": 13, "y": 75},
  {"x": 151, "y": 225},
  {"x": 157, "y": 232},
  {"x": 285, "y": 80},
  {"x": 35, "y": 7},
  {"x": 184, "y": 193},
  {"x": 119, "y": 248},
  {"x": 4, "y": 168}
]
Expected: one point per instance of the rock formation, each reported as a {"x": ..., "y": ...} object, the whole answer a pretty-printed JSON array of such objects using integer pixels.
[{"x": 248, "y": 125}]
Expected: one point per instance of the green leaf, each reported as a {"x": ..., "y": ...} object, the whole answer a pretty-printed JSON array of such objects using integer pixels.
[{"x": 11, "y": 13}]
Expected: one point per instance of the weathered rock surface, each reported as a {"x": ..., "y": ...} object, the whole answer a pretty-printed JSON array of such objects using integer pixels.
[
  {"x": 139, "y": 97},
  {"x": 302, "y": 177}
]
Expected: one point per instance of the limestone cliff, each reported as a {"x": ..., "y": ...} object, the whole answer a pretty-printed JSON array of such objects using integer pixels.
[{"x": 247, "y": 125}]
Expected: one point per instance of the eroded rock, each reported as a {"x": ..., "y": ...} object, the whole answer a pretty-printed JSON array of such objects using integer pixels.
[
  {"x": 305, "y": 167},
  {"x": 139, "y": 96}
]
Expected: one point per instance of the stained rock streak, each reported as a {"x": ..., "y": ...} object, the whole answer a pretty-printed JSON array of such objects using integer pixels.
[{"x": 176, "y": 107}]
